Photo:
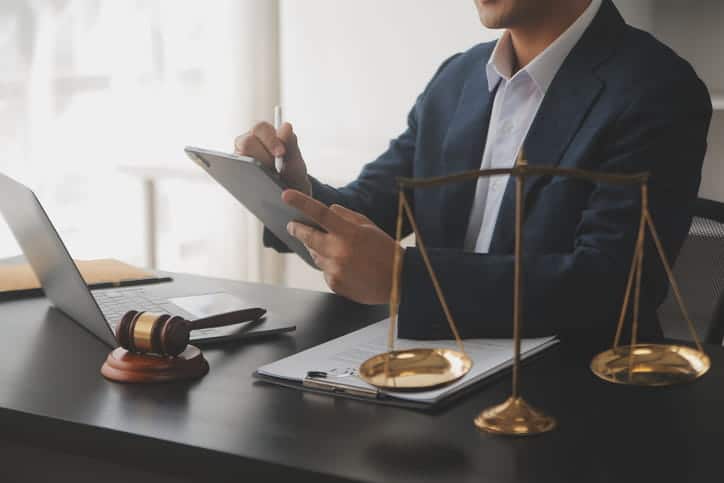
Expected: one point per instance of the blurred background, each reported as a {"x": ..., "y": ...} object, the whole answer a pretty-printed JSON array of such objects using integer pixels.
[{"x": 99, "y": 97}]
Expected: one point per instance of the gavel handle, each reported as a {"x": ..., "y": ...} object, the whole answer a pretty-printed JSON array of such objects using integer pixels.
[{"x": 228, "y": 318}]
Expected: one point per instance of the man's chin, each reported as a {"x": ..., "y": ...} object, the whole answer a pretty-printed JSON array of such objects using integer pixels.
[
  {"x": 492, "y": 13},
  {"x": 492, "y": 21}
]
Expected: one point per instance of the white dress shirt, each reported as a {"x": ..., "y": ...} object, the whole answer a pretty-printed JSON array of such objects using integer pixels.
[{"x": 515, "y": 106}]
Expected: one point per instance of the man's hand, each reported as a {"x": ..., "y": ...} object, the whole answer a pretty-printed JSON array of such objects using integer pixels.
[
  {"x": 355, "y": 255},
  {"x": 264, "y": 142}
]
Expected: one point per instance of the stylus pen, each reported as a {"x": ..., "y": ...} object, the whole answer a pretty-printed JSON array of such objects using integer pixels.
[{"x": 278, "y": 160}]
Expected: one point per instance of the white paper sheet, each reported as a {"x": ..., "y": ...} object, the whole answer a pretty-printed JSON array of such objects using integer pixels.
[{"x": 341, "y": 357}]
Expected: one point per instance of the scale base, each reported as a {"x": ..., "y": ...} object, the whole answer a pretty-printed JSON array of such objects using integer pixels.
[
  {"x": 514, "y": 417},
  {"x": 650, "y": 364}
]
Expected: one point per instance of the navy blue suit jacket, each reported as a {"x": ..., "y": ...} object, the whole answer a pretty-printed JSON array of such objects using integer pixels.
[{"x": 621, "y": 102}]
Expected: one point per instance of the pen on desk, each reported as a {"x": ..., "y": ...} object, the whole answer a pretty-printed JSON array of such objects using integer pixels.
[{"x": 278, "y": 160}]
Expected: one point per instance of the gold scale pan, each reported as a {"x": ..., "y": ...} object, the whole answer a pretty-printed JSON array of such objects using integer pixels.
[{"x": 634, "y": 364}]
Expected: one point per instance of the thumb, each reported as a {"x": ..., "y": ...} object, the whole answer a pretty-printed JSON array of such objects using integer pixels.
[{"x": 349, "y": 215}]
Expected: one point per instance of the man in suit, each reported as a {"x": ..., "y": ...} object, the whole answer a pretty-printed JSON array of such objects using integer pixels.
[{"x": 573, "y": 86}]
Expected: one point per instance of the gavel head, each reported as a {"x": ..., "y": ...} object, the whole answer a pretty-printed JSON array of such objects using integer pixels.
[{"x": 144, "y": 332}]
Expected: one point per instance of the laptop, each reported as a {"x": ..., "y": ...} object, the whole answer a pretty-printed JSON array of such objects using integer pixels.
[{"x": 99, "y": 310}]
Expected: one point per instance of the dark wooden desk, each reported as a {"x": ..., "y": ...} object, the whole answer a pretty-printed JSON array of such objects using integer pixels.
[{"x": 59, "y": 418}]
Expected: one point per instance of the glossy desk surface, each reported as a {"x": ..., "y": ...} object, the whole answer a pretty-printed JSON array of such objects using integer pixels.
[{"x": 229, "y": 425}]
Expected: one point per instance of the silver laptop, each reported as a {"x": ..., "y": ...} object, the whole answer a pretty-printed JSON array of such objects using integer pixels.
[{"x": 100, "y": 310}]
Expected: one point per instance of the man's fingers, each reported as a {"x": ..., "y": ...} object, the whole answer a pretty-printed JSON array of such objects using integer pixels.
[
  {"x": 315, "y": 210},
  {"x": 289, "y": 138},
  {"x": 268, "y": 136},
  {"x": 286, "y": 134},
  {"x": 312, "y": 238},
  {"x": 250, "y": 145},
  {"x": 350, "y": 215}
]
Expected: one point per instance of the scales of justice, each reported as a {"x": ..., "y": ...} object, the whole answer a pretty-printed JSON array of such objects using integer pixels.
[{"x": 633, "y": 364}]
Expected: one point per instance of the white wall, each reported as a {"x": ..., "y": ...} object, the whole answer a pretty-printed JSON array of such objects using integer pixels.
[
  {"x": 352, "y": 70},
  {"x": 639, "y": 13}
]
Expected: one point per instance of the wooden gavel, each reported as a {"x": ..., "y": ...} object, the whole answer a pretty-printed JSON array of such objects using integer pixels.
[{"x": 168, "y": 335}]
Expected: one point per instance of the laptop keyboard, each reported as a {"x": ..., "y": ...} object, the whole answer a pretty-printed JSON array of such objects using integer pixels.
[{"x": 116, "y": 302}]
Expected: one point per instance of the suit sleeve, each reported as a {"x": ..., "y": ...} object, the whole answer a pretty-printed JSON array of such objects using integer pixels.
[{"x": 664, "y": 132}]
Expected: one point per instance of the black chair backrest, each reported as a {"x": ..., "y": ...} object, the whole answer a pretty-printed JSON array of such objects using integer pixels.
[{"x": 699, "y": 271}]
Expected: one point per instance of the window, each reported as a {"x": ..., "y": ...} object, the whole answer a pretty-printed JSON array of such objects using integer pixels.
[{"x": 97, "y": 94}]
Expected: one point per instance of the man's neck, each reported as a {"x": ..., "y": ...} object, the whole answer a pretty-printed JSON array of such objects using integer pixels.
[{"x": 530, "y": 39}]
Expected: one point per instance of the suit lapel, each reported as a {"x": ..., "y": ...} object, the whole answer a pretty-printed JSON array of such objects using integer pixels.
[
  {"x": 567, "y": 102},
  {"x": 462, "y": 151},
  {"x": 558, "y": 119}
]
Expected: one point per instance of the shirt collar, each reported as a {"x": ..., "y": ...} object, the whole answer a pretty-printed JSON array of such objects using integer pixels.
[{"x": 543, "y": 68}]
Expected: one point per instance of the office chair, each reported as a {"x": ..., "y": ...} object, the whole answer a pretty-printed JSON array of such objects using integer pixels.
[{"x": 699, "y": 270}]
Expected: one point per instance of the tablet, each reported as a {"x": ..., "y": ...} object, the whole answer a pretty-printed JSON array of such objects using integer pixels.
[{"x": 258, "y": 188}]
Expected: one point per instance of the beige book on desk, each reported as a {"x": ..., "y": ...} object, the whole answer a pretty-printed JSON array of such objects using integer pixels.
[{"x": 18, "y": 279}]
